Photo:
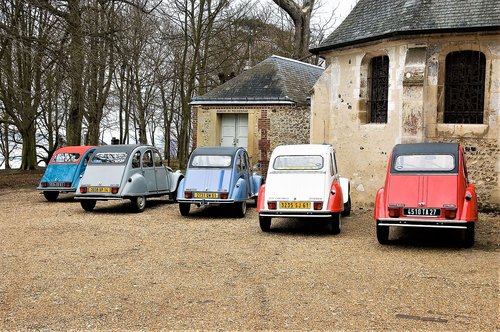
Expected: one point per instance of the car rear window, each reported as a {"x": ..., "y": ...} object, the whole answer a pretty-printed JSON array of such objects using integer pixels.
[
  {"x": 308, "y": 162},
  {"x": 68, "y": 157},
  {"x": 424, "y": 163},
  {"x": 211, "y": 161},
  {"x": 109, "y": 158}
]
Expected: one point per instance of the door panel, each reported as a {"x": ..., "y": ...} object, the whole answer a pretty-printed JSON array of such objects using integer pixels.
[
  {"x": 234, "y": 130},
  {"x": 161, "y": 172}
]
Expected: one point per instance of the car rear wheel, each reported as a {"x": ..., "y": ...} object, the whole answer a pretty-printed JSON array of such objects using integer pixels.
[
  {"x": 138, "y": 203},
  {"x": 265, "y": 224},
  {"x": 88, "y": 204},
  {"x": 240, "y": 209},
  {"x": 184, "y": 208},
  {"x": 51, "y": 196},
  {"x": 335, "y": 224},
  {"x": 382, "y": 234},
  {"x": 469, "y": 235},
  {"x": 347, "y": 208}
]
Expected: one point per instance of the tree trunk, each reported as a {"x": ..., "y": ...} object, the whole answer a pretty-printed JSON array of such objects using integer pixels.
[
  {"x": 29, "y": 149},
  {"x": 76, "y": 110},
  {"x": 301, "y": 17}
]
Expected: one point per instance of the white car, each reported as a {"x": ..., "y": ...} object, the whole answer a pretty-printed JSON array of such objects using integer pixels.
[{"x": 303, "y": 182}]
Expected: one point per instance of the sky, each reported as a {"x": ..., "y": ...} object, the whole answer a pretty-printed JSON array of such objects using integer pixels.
[{"x": 342, "y": 9}]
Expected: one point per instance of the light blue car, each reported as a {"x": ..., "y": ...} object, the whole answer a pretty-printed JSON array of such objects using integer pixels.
[
  {"x": 64, "y": 171},
  {"x": 218, "y": 175}
]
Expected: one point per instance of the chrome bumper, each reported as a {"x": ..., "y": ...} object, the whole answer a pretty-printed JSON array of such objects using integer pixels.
[{"x": 422, "y": 223}]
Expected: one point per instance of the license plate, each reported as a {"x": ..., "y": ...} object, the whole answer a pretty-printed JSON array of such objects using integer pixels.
[
  {"x": 295, "y": 205},
  {"x": 99, "y": 190},
  {"x": 56, "y": 184},
  {"x": 422, "y": 212},
  {"x": 206, "y": 195}
]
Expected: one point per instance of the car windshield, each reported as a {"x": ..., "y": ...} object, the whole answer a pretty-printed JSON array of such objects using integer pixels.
[
  {"x": 425, "y": 163},
  {"x": 109, "y": 158},
  {"x": 211, "y": 161},
  {"x": 311, "y": 162},
  {"x": 68, "y": 157}
]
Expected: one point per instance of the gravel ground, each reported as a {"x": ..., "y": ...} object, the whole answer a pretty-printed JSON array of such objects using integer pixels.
[{"x": 63, "y": 269}]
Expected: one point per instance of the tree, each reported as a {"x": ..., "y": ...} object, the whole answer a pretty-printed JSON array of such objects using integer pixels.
[{"x": 301, "y": 17}]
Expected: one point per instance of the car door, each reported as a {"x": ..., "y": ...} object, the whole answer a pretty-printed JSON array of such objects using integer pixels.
[
  {"x": 162, "y": 180},
  {"x": 148, "y": 171}
]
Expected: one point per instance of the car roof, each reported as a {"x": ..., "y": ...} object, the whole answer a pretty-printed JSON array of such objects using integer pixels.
[
  {"x": 302, "y": 149},
  {"x": 75, "y": 149},
  {"x": 426, "y": 148},
  {"x": 215, "y": 150},
  {"x": 121, "y": 147}
]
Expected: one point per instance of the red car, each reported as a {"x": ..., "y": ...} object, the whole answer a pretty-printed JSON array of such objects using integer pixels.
[{"x": 426, "y": 186}]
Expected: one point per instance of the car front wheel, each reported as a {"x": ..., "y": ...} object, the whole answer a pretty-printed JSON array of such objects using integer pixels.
[
  {"x": 240, "y": 209},
  {"x": 88, "y": 204},
  {"x": 382, "y": 234},
  {"x": 265, "y": 224},
  {"x": 469, "y": 235},
  {"x": 138, "y": 203},
  {"x": 51, "y": 196},
  {"x": 347, "y": 208},
  {"x": 184, "y": 208}
]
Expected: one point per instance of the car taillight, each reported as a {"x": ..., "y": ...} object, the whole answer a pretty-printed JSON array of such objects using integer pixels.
[
  {"x": 394, "y": 212},
  {"x": 114, "y": 190},
  {"x": 318, "y": 205},
  {"x": 188, "y": 194},
  {"x": 67, "y": 184},
  {"x": 271, "y": 205},
  {"x": 43, "y": 184},
  {"x": 450, "y": 211},
  {"x": 224, "y": 195},
  {"x": 83, "y": 190}
]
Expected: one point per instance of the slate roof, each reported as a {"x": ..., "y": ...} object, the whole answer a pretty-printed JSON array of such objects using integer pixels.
[
  {"x": 276, "y": 80},
  {"x": 372, "y": 20}
]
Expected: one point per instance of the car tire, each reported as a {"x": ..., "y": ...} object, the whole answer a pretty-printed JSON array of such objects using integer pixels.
[
  {"x": 382, "y": 234},
  {"x": 469, "y": 235},
  {"x": 51, "y": 196},
  {"x": 88, "y": 204},
  {"x": 184, "y": 208},
  {"x": 240, "y": 209},
  {"x": 265, "y": 224},
  {"x": 138, "y": 203},
  {"x": 347, "y": 208},
  {"x": 335, "y": 224}
]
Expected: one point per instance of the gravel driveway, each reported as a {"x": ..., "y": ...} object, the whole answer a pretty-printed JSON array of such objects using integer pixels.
[{"x": 62, "y": 268}]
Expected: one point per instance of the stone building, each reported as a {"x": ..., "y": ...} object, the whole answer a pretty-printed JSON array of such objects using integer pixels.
[
  {"x": 261, "y": 108},
  {"x": 411, "y": 71}
]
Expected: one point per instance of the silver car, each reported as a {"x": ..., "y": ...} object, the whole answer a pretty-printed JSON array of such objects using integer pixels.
[{"x": 133, "y": 172}]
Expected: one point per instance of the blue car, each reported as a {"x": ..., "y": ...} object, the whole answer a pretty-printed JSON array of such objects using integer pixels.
[
  {"x": 218, "y": 175},
  {"x": 64, "y": 171}
]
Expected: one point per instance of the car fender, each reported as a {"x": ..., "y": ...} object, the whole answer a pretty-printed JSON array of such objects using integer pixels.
[
  {"x": 346, "y": 186},
  {"x": 256, "y": 183},
  {"x": 135, "y": 185},
  {"x": 180, "y": 188},
  {"x": 261, "y": 198},
  {"x": 335, "y": 199},
  {"x": 240, "y": 190},
  {"x": 469, "y": 207},
  {"x": 175, "y": 179},
  {"x": 379, "y": 208}
]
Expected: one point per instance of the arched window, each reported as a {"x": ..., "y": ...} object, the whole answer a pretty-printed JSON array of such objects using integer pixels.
[
  {"x": 379, "y": 88},
  {"x": 464, "y": 87}
]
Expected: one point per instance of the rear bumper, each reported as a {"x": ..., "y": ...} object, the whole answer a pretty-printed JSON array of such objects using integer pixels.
[
  {"x": 289, "y": 214},
  {"x": 423, "y": 223},
  {"x": 206, "y": 201},
  {"x": 57, "y": 189}
]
